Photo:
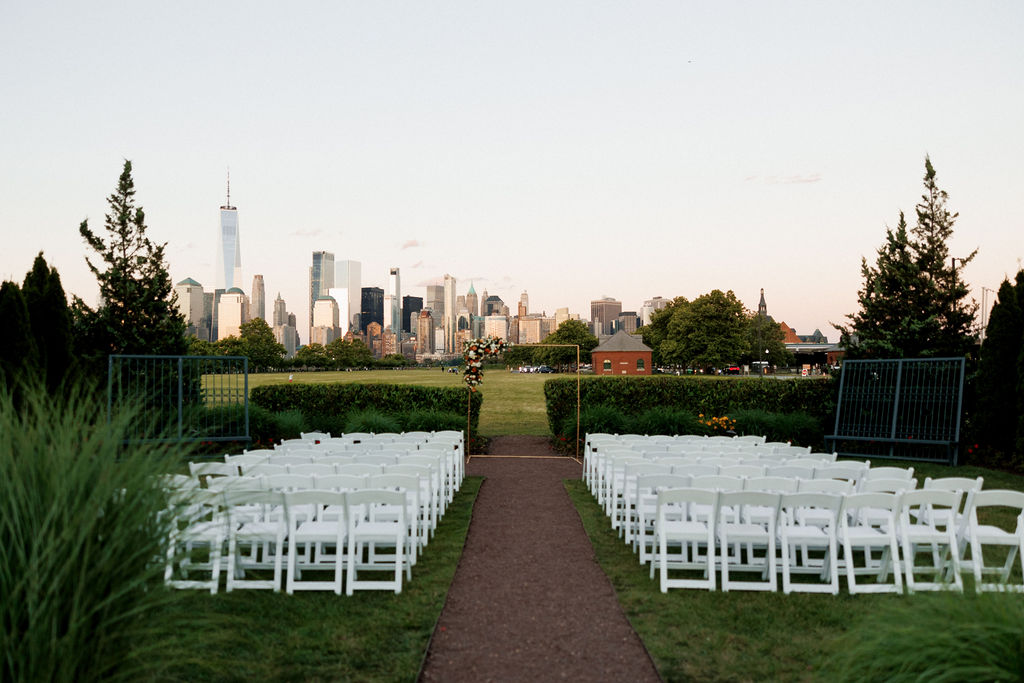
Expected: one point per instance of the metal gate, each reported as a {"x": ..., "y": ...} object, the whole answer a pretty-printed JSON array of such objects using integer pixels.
[
  {"x": 181, "y": 398},
  {"x": 909, "y": 409}
]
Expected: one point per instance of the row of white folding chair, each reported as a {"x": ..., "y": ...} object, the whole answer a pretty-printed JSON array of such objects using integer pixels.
[
  {"x": 427, "y": 485},
  {"x": 268, "y": 521},
  {"x": 750, "y": 531}
]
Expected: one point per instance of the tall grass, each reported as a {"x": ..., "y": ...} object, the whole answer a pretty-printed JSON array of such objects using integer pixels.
[{"x": 80, "y": 526}]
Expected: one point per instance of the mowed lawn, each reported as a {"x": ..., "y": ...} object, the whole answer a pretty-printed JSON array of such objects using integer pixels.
[{"x": 513, "y": 402}]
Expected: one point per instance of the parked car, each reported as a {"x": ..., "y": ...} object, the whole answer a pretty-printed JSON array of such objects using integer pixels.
[{"x": 545, "y": 369}]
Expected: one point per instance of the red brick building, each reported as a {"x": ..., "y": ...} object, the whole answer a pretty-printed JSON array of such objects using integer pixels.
[{"x": 622, "y": 354}]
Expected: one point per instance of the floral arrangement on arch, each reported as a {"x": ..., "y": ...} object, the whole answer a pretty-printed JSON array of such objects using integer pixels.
[{"x": 474, "y": 351}]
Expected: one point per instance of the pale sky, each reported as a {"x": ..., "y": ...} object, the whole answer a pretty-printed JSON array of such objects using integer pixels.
[{"x": 574, "y": 150}]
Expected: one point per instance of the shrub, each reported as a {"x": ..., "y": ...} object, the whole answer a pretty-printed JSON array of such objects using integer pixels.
[
  {"x": 799, "y": 428},
  {"x": 80, "y": 524},
  {"x": 290, "y": 424},
  {"x": 432, "y": 421},
  {"x": 371, "y": 421},
  {"x": 943, "y": 637},
  {"x": 666, "y": 420},
  {"x": 596, "y": 419}
]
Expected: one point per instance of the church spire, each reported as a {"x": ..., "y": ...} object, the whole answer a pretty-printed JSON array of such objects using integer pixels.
[{"x": 762, "y": 307}]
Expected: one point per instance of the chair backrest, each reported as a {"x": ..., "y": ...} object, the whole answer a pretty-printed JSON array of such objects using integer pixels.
[
  {"x": 300, "y": 501},
  {"x": 636, "y": 469},
  {"x": 790, "y": 471},
  {"x": 840, "y": 486},
  {"x": 264, "y": 468},
  {"x": 890, "y": 473},
  {"x": 778, "y": 484},
  {"x": 247, "y": 458},
  {"x": 698, "y": 470},
  {"x": 886, "y": 485},
  {"x": 804, "y": 462},
  {"x": 767, "y": 502},
  {"x": 720, "y": 461},
  {"x": 339, "y": 482},
  {"x": 213, "y": 469},
  {"x": 359, "y": 469},
  {"x": 954, "y": 483},
  {"x": 933, "y": 507},
  {"x": 1000, "y": 498},
  {"x": 376, "y": 459},
  {"x": 823, "y": 457},
  {"x": 851, "y": 471},
  {"x": 715, "y": 481},
  {"x": 292, "y": 459},
  {"x": 876, "y": 502},
  {"x": 288, "y": 482},
  {"x": 312, "y": 468},
  {"x": 742, "y": 471},
  {"x": 687, "y": 495},
  {"x": 235, "y": 483},
  {"x": 651, "y": 482},
  {"x": 751, "y": 438},
  {"x": 366, "y": 504},
  {"x": 793, "y": 503}
]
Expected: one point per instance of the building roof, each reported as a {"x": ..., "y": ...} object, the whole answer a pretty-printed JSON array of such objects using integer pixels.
[
  {"x": 190, "y": 281},
  {"x": 623, "y": 341},
  {"x": 234, "y": 290}
]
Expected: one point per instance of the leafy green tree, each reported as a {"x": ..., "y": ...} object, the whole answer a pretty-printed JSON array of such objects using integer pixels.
[
  {"x": 18, "y": 354},
  {"x": 517, "y": 355},
  {"x": 229, "y": 346},
  {"x": 392, "y": 360},
  {"x": 709, "y": 332},
  {"x": 569, "y": 332},
  {"x": 200, "y": 347},
  {"x": 764, "y": 334},
  {"x": 655, "y": 334},
  {"x": 912, "y": 303},
  {"x": 349, "y": 354},
  {"x": 312, "y": 356},
  {"x": 138, "y": 312},
  {"x": 50, "y": 320},
  {"x": 259, "y": 345},
  {"x": 1000, "y": 383}
]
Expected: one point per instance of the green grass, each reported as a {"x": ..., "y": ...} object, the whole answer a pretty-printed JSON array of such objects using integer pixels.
[
  {"x": 370, "y": 636},
  {"x": 740, "y": 636},
  {"x": 513, "y": 402}
]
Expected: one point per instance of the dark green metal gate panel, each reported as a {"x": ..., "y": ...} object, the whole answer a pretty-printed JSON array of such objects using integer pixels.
[
  {"x": 181, "y": 398},
  {"x": 900, "y": 408}
]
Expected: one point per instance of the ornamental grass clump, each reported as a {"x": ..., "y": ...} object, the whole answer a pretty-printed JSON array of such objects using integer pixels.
[
  {"x": 942, "y": 637},
  {"x": 81, "y": 537}
]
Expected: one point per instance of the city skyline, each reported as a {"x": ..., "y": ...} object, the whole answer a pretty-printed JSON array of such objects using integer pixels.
[{"x": 574, "y": 151}]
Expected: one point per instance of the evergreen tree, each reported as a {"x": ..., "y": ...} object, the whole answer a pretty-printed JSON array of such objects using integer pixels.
[
  {"x": 137, "y": 313},
  {"x": 50, "y": 320},
  {"x": 912, "y": 303},
  {"x": 1000, "y": 400},
  {"x": 18, "y": 355}
]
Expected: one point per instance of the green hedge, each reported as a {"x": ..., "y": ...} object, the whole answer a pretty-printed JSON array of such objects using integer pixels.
[
  {"x": 332, "y": 403},
  {"x": 712, "y": 397}
]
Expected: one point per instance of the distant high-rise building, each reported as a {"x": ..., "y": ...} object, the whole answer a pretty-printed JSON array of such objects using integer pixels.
[
  {"x": 493, "y": 305},
  {"x": 627, "y": 321},
  {"x": 259, "y": 299},
  {"x": 450, "y": 312},
  {"x": 652, "y": 306},
  {"x": 424, "y": 333},
  {"x": 190, "y": 303},
  {"x": 472, "y": 303},
  {"x": 435, "y": 302},
  {"x": 347, "y": 293},
  {"x": 411, "y": 307},
  {"x": 603, "y": 313},
  {"x": 229, "y": 247},
  {"x": 321, "y": 279},
  {"x": 496, "y": 326},
  {"x": 524, "y": 304},
  {"x": 371, "y": 308},
  {"x": 231, "y": 313},
  {"x": 325, "y": 321},
  {"x": 280, "y": 311},
  {"x": 393, "y": 303}
]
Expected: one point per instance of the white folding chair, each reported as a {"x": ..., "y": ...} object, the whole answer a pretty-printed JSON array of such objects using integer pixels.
[
  {"x": 992, "y": 535},
  {"x": 376, "y": 520},
  {"x": 748, "y": 518},
  {"x": 646, "y": 496},
  {"x": 256, "y": 520},
  {"x": 794, "y": 533},
  {"x": 867, "y": 532},
  {"x": 676, "y": 526},
  {"x": 198, "y": 522},
  {"x": 316, "y": 535},
  {"x": 928, "y": 521}
]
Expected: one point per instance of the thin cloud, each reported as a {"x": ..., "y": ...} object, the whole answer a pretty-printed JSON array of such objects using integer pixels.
[
  {"x": 418, "y": 264},
  {"x": 409, "y": 244},
  {"x": 306, "y": 233},
  {"x": 794, "y": 179}
]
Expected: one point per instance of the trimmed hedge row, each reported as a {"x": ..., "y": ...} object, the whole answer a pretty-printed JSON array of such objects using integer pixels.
[
  {"x": 332, "y": 403},
  {"x": 713, "y": 397}
]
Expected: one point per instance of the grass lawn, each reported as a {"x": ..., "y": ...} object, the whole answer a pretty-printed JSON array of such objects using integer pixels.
[
  {"x": 743, "y": 636},
  {"x": 371, "y": 636},
  {"x": 513, "y": 402}
]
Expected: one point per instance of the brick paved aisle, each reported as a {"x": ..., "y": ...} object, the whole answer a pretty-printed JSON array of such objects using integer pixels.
[{"x": 529, "y": 600}]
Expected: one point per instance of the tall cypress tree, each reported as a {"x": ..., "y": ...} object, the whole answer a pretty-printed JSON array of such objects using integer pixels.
[
  {"x": 913, "y": 303},
  {"x": 18, "y": 355},
  {"x": 50, "y": 320},
  {"x": 999, "y": 400},
  {"x": 137, "y": 313}
]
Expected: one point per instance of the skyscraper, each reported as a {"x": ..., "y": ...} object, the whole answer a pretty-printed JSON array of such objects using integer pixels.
[
  {"x": 259, "y": 299},
  {"x": 602, "y": 314},
  {"x": 435, "y": 302},
  {"x": 231, "y": 313},
  {"x": 347, "y": 293},
  {"x": 321, "y": 279},
  {"x": 280, "y": 311},
  {"x": 411, "y": 307},
  {"x": 190, "y": 303},
  {"x": 472, "y": 303},
  {"x": 229, "y": 248},
  {"x": 372, "y": 308},
  {"x": 393, "y": 303},
  {"x": 450, "y": 312}
]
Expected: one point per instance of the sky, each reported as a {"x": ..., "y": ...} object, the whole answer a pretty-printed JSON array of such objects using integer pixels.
[{"x": 574, "y": 150}]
